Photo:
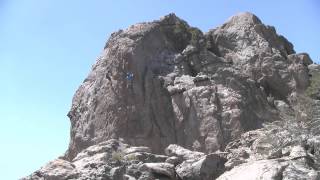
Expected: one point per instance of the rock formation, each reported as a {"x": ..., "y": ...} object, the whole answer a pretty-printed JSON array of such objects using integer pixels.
[{"x": 166, "y": 101}]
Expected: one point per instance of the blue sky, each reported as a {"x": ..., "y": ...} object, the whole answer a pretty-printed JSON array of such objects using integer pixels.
[{"x": 47, "y": 48}]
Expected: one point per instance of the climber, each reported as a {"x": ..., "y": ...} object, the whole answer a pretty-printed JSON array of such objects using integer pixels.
[{"x": 129, "y": 76}]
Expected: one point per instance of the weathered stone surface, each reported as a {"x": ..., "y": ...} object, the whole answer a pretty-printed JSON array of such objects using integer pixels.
[
  {"x": 300, "y": 171},
  {"x": 174, "y": 160},
  {"x": 214, "y": 103},
  {"x": 107, "y": 161},
  {"x": 137, "y": 149},
  {"x": 270, "y": 170},
  {"x": 277, "y": 151},
  {"x": 262, "y": 54},
  {"x": 207, "y": 167},
  {"x": 55, "y": 170},
  {"x": 159, "y": 170},
  {"x": 182, "y": 153},
  {"x": 313, "y": 68},
  {"x": 160, "y": 83},
  {"x": 264, "y": 169}
]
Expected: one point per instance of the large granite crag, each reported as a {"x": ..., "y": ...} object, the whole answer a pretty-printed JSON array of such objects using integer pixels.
[{"x": 165, "y": 82}]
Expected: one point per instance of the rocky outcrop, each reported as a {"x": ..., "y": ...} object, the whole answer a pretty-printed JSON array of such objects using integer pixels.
[
  {"x": 165, "y": 82},
  {"x": 268, "y": 58},
  {"x": 167, "y": 101},
  {"x": 258, "y": 155},
  {"x": 115, "y": 160},
  {"x": 249, "y": 157}
]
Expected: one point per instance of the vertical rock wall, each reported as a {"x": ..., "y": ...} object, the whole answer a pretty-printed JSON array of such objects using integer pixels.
[{"x": 165, "y": 82}]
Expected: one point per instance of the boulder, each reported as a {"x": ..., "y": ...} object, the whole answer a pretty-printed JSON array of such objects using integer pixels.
[
  {"x": 55, "y": 170},
  {"x": 207, "y": 167},
  {"x": 182, "y": 153},
  {"x": 264, "y": 169},
  {"x": 159, "y": 170},
  {"x": 271, "y": 170}
]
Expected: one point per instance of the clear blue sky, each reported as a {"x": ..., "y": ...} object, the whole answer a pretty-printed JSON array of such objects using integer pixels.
[{"x": 47, "y": 48}]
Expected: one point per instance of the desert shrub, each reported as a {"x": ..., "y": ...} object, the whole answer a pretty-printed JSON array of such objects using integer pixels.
[
  {"x": 294, "y": 126},
  {"x": 131, "y": 157},
  {"x": 299, "y": 122},
  {"x": 303, "y": 109},
  {"x": 313, "y": 90},
  {"x": 117, "y": 156}
]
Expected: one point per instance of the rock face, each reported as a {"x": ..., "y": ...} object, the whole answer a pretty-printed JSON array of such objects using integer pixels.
[
  {"x": 165, "y": 82},
  {"x": 167, "y": 88}
]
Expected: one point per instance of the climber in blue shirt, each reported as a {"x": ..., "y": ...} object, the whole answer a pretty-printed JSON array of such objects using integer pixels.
[{"x": 129, "y": 76}]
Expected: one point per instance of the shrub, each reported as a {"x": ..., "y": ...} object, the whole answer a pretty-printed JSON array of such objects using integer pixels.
[
  {"x": 313, "y": 90},
  {"x": 131, "y": 157},
  {"x": 117, "y": 156}
]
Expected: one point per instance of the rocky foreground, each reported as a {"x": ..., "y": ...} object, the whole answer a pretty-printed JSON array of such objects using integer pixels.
[
  {"x": 167, "y": 101},
  {"x": 255, "y": 155}
]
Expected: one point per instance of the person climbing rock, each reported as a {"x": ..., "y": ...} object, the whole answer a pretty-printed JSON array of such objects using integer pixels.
[{"x": 129, "y": 76}]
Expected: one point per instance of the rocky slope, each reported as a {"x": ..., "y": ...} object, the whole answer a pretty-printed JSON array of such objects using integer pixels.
[{"x": 166, "y": 101}]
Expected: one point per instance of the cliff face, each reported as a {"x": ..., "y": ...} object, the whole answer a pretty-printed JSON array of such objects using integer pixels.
[{"x": 165, "y": 82}]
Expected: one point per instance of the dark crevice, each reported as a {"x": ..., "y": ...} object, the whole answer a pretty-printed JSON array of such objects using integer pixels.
[
  {"x": 279, "y": 175},
  {"x": 153, "y": 116},
  {"x": 193, "y": 72},
  {"x": 160, "y": 176},
  {"x": 144, "y": 76},
  {"x": 211, "y": 46},
  {"x": 219, "y": 119}
]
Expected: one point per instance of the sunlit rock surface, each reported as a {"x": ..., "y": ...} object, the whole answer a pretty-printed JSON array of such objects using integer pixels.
[{"x": 167, "y": 101}]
